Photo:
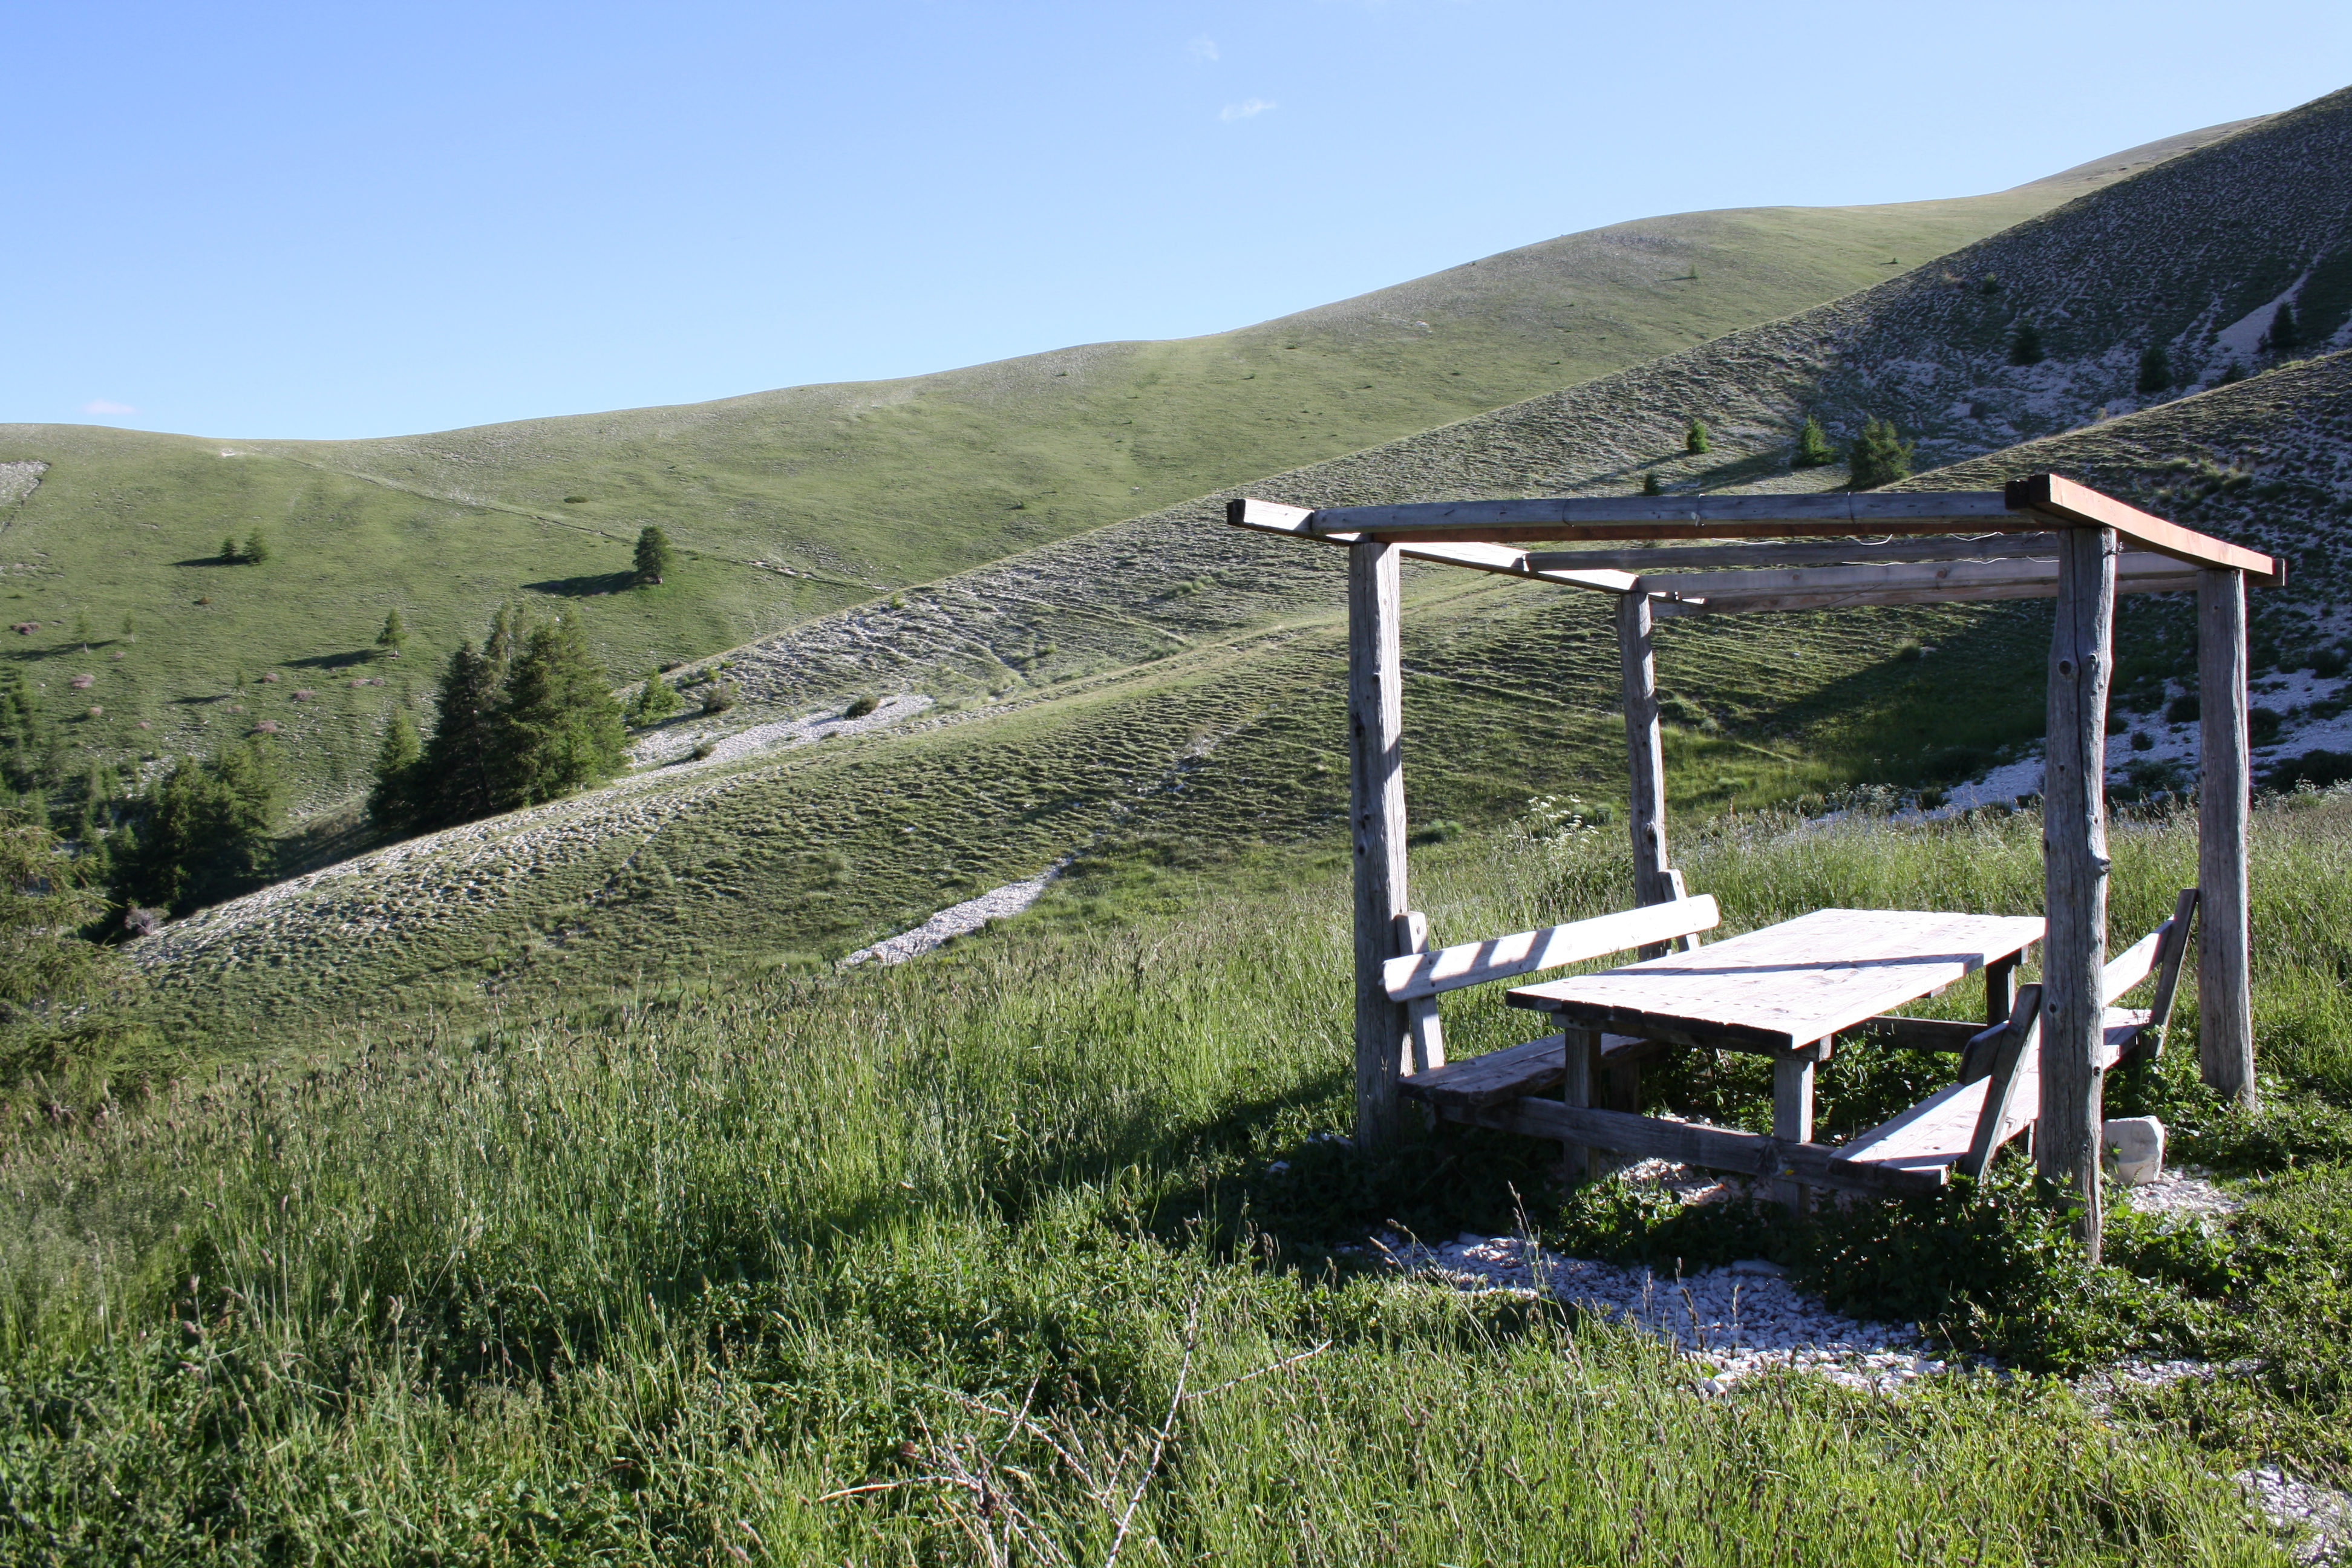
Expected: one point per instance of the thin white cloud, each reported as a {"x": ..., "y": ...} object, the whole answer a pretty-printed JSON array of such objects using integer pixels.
[
  {"x": 1247, "y": 109},
  {"x": 100, "y": 405},
  {"x": 1202, "y": 50}
]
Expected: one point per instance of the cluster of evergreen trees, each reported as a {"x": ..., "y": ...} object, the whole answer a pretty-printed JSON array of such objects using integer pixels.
[{"x": 526, "y": 718}]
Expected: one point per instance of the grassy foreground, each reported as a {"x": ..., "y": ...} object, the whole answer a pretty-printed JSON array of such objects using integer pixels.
[{"x": 982, "y": 1260}]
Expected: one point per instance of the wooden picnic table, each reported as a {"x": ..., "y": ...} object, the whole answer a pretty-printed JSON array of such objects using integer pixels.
[
  {"x": 1793, "y": 985},
  {"x": 1786, "y": 991}
]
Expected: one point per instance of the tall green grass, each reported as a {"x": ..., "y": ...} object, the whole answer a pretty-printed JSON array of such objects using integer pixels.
[{"x": 671, "y": 1280}]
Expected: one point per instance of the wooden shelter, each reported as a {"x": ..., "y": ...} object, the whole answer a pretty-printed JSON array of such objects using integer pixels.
[{"x": 2042, "y": 537}]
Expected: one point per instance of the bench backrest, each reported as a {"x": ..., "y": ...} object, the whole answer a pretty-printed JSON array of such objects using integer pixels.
[{"x": 1522, "y": 953}]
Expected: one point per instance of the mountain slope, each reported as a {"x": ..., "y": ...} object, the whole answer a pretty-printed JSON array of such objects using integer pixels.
[{"x": 799, "y": 504}]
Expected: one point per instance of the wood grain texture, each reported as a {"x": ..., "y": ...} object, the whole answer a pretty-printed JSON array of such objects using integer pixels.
[
  {"x": 1789, "y": 985},
  {"x": 1788, "y": 552},
  {"x": 2225, "y": 1002},
  {"x": 1645, "y": 759},
  {"x": 2075, "y": 871},
  {"x": 1750, "y": 1154},
  {"x": 1792, "y": 1120},
  {"x": 1377, "y": 828},
  {"x": 2168, "y": 972},
  {"x": 1418, "y": 974},
  {"x": 1527, "y": 1069},
  {"x": 1951, "y": 577},
  {"x": 1424, "y": 1032},
  {"x": 2185, "y": 581},
  {"x": 1678, "y": 516},
  {"x": 2012, "y": 1083},
  {"x": 2067, "y": 501}
]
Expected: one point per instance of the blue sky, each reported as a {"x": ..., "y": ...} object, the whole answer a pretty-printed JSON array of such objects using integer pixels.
[{"x": 327, "y": 220}]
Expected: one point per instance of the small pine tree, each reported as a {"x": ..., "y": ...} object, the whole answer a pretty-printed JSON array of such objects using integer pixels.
[
  {"x": 2283, "y": 333},
  {"x": 562, "y": 728},
  {"x": 257, "y": 549},
  {"x": 1813, "y": 445},
  {"x": 396, "y": 800},
  {"x": 1879, "y": 458},
  {"x": 129, "y": 627},
  {"x": 230, "y": 557},
  {"x": 394, "y": 634},
  {"x": 655, "y": 556},
  {"x": 2231, "y": 373},
  {"x": 654, "y": 702},
  {"x": 2025, "y": 346},
  {"x": 1650, "y": 485},
  {"x": 2154, "y": 370},
  {"x": 1695, "y": 438}
]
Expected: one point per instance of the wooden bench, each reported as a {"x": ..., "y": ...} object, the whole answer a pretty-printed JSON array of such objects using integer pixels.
[
  {"x": 1999, "y": 1094},
  {"x": 1424, "y": 974}
]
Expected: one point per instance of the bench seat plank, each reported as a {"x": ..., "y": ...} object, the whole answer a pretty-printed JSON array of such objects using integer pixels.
[
  {"x": 1935, "y": 1133},
  {"x": 1514, "y": 1073}
]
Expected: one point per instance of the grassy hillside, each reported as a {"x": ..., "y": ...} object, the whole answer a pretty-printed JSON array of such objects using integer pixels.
[
  {"x": 797, "y": 503},
  {"x": 769, "y": 1273},
  {"x": 1191, "y": 740}
]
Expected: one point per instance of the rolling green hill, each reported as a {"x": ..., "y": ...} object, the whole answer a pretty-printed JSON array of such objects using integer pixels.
[
  {"x": 793, "y": 854},
  {"x": 799, "y": 504}
]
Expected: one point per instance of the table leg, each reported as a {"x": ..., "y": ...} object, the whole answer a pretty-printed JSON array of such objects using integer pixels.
[
  {"x": 2000, "y": 989},
  {"x": 1792, "y": 1117},
  {"x": 1578, "y": 1090}
]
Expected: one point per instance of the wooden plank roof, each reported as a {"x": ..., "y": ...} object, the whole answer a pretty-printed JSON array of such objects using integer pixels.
[{"x": 1478, "y": 533}]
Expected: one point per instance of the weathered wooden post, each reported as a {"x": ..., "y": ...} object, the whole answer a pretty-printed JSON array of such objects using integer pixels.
[
  {"x": 2225, "y": 1006},
  {"x": 1376, "y": 825},
  {"x": 1645, "y": 756},
  {"x": 2075, "y": 870}
]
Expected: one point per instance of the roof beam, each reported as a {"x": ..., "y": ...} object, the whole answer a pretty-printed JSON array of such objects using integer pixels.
[
  {"x": 1925, "y": 547},
  {"x": 1272, "y": 517},
  {"x": 2082, "y": 507}
]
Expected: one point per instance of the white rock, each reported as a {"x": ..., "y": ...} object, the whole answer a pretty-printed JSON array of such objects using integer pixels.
[{"x": 2134, "y": 1147}]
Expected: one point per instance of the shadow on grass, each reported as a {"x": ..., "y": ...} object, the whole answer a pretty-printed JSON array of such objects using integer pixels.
[
  {"x": 584, "y": 587},
  {"x": 334, "y": 660}
]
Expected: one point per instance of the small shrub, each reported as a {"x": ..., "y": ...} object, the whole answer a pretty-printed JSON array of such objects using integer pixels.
[
  {"x": 2231, "y": 373},
  {"x": 2141, "y": 741},
  {"x": 703, "y": 749},
  {"x": 1695, "y": 438},
  {"x": 1650, "y": 485},
  {"x": 2316, "y": 769},
  {"x": 2025, "y": 345},
  {"x": 575, "y": 500},
  {"x": 2329, "y": 662},
  {"x": 1878, "y": 457},
  {"x": 720, "y": 698},
  {"x": 859, "y": 707},
  {"x": 2184, "y": 709},
  {"x": 1813, "y": 446},
  {"x": 1989, "y": 287},
  {"x": 2262, "y": 725}
]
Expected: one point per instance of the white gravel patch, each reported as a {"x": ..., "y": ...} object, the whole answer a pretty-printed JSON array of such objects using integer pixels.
[
  {"x": 2320, "y": 1516},
  {"x": 2186, "y": 1192},
  {"x": 675, "y": 743},
  {"x": 996, "y": 904},
  {"x": 1732, "y": 1323}
]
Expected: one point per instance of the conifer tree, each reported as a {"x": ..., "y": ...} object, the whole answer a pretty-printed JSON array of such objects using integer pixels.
[
  {"x": 52, "y": 981},
  {"x": 230, "y": 557},
  {"x": 560, "y": 729},
  {"x": 394, "y": 634},
  {"x": 2283, "y": 333},
  {"x": 458, "y": 768},
  {"x": 1814, "y": 449},
  {"x": 206, "y": 833},
  {"x": 655, "y": 701},
  {"x": 257, "y": 549},
  {"x": 396, "y": 801},
  {"x": 1695, "y": 438},
  {"x": 1878, "y": 457},
  {"x": 1650, "y": 485},
  {"x": 2154, "y": 370},
  {"x": 2025, "y": 346},
  {"x": 655, "y": 556}
]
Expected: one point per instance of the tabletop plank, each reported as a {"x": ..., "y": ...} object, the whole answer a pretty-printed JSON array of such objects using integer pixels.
[{"x": 1789, "y": 985}]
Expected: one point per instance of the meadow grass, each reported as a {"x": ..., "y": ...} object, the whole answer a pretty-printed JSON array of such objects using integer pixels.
[{"x": 991, "y": 1236}]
